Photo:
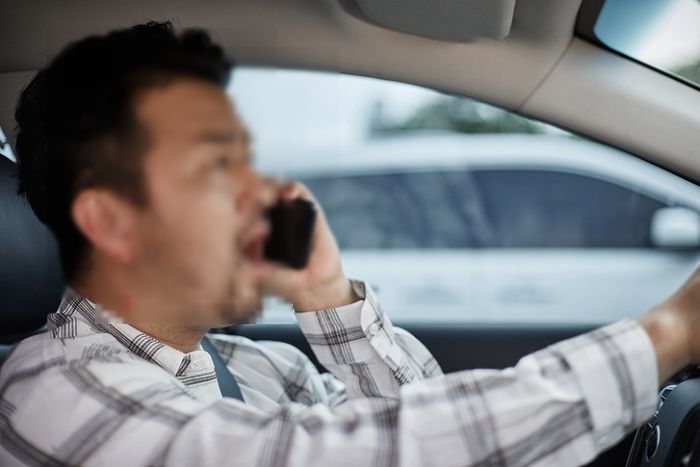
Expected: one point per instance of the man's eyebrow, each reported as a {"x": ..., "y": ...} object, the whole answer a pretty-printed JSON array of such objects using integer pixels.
[{"x": 223, "y": 137}]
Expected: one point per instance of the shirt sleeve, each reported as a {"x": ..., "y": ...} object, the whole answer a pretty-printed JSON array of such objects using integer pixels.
[
  {"x": 558, "y": 407},
  {"x": 360, "y": 346}
]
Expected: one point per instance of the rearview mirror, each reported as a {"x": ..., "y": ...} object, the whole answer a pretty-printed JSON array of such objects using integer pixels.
[{"x": 675, "y": 228}]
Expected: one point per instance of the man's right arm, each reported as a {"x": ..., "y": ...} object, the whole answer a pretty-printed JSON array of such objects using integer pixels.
[
  {"x": 560, "y": 406},
  {"x": 674, "y": 328}
]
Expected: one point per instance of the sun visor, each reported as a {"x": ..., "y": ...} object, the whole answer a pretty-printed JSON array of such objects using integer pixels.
[{"x": 447, "y": 20}]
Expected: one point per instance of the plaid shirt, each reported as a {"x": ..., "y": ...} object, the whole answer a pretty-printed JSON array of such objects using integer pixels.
[{"x": 94, "y": 392}]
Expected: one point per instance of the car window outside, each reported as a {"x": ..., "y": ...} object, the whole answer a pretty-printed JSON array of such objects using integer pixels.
[
  {"x": 456, "y": 211},
  {"x": 5, "y": 148}
]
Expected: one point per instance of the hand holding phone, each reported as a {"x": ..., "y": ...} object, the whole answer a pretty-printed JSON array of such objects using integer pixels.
[{"x": 291, "y": 231}]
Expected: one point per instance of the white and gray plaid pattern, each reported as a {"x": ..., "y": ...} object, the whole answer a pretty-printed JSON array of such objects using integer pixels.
[{"x": 94, "y": 392}]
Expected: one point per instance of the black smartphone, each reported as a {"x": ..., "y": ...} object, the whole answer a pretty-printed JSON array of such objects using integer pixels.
[{"x": 291, "y": 230}]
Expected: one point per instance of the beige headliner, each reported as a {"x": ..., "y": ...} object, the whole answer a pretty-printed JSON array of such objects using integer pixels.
[{"x": 539, "y": 69}]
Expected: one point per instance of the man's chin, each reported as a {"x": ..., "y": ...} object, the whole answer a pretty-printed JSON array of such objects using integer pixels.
[{"x": 242, "y": 312}]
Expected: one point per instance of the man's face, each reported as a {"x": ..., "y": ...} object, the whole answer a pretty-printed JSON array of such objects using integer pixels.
[{"x": 202, "y": 230}]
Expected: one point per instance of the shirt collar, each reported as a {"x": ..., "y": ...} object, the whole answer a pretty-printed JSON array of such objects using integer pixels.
[{"x": 74, "y": 307}]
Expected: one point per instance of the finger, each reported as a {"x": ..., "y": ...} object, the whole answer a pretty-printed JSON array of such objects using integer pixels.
[
  {"x": 279, "y": 280},
  {"x": 269, "y": 193},
  {"x": 292, "y": 191}
]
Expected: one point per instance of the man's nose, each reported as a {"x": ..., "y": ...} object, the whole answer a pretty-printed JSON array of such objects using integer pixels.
[{"x": 256, "y": 192}]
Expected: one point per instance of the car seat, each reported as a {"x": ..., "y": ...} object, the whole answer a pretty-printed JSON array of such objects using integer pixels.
[{"x": 31, "y": 282}]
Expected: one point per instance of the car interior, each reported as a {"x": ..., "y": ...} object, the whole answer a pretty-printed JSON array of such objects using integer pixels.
[{"x": 537, "y": 58}]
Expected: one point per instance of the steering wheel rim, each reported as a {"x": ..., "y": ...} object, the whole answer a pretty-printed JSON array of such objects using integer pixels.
[{"x": 672, "y": 436}]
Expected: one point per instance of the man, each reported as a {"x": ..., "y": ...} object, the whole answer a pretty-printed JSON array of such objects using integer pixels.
[{"x": 130, "y": 151}]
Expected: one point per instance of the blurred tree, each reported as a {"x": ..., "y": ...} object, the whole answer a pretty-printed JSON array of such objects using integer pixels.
[
  {"x": 691, "y": 72},
  {"x": 457, "y": 114}
]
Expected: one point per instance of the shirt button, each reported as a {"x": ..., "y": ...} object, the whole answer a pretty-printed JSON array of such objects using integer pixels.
[{"x": 373, "y": 329}]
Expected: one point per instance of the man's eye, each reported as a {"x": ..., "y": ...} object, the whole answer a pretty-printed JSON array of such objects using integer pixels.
[{"x": 221, "y": 162}]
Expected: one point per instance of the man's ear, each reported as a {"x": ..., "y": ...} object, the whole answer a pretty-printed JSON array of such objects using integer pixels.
[{"x": 107, "y": 221}]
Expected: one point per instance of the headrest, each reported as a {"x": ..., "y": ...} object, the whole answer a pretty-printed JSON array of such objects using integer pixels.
[{"x": 31, "y": 282}]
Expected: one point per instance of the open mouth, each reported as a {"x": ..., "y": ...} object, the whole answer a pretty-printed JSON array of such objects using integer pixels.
[
  {"x": 254, "y": 250},
  {"x": 254, "y": 245}
]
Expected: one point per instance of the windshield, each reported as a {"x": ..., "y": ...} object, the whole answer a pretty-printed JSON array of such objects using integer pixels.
[{"x": 664, "y": 34}]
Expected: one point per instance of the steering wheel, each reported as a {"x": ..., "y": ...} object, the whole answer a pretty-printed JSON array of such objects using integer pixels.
[{"x": 672, "y": 436}]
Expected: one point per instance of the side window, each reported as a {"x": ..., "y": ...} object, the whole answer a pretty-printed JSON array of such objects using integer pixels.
[
  {"x": 457, "y": 211},
  {"x": 553, "y": 209},
  {"x": 5, "y": 149}
]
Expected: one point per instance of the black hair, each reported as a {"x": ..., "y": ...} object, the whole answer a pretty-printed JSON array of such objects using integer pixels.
[{"x": 75, "y": 127}]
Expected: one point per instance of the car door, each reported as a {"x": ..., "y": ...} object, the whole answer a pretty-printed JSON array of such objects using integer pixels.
[{"x": 505, "y": 245}]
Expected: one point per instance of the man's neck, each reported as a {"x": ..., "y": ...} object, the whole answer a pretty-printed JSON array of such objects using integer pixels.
[
  {"x": 184, "y": 339},
  {"x": 143, "y": 313}
]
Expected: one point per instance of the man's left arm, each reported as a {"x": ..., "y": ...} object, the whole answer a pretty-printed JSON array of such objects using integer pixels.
[
  {"x": 360, "y": 346},
  {"x": 342, "y": 320}
]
